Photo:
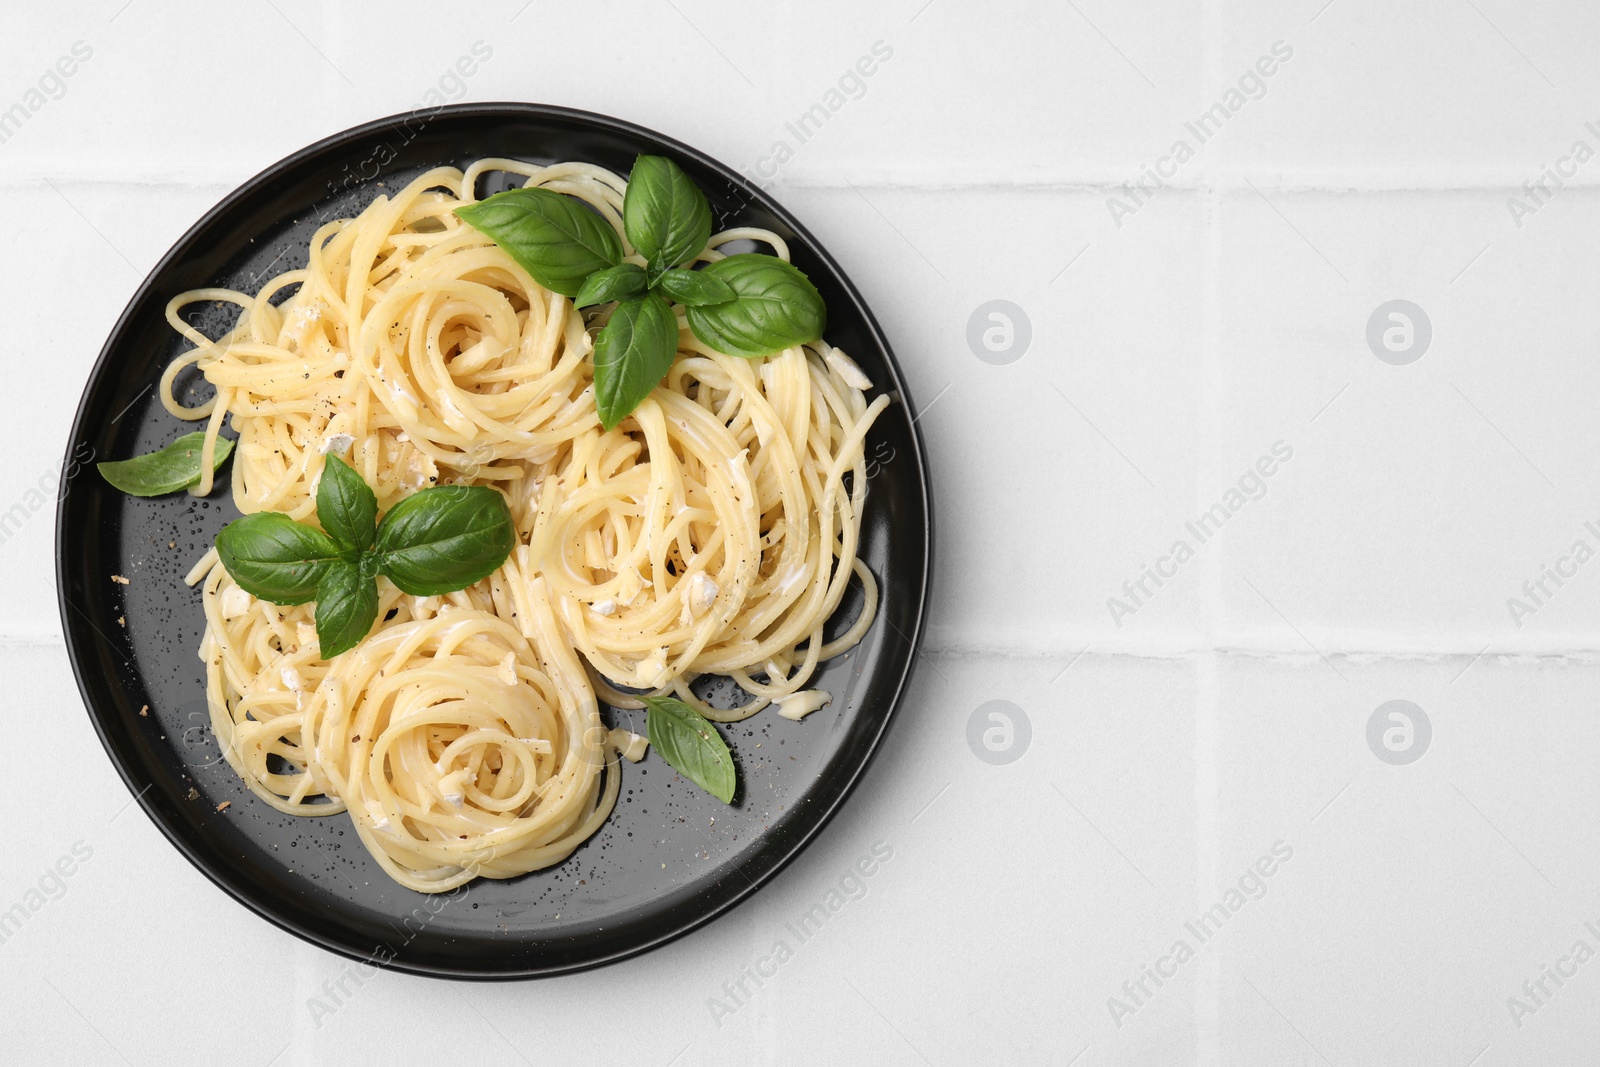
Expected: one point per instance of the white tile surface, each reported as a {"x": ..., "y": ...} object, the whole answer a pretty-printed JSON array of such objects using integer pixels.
[{"x": 1175, "y": 339}]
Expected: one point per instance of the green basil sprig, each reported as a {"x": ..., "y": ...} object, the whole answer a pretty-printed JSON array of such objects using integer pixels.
[
  {"x": 696, "y": 288},
  {"x": 632, "y": 354},
  {"x": 555, "y": 238},
  {"x": 444, "y": 538},
  {"x": 664, "y": 214},
  {"x": 433, "y": 542},
  {"x": 165, "y": 470},
  {"x": 772, "y": 302},
  {"x": 744, "y": 305},
  {"x": 275, "y": 558},
  {"x": 613, "y": 283},
  {"x": 691, "y": 746}
]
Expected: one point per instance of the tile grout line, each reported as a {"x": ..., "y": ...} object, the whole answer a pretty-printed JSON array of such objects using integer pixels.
[
  {"x": 1208, "y": 995},
  {"x": 1207, "y": 1005}
]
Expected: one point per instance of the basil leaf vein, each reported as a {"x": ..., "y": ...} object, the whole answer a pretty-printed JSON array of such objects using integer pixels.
[
  {"x": 633, "y": 352},
  {"x": 774, "y": 306},
  {"x": 346, "y": 505},
  {"x": 556, "y": 238},
  {"x": 444, "y": 539},
  {"x": 347, "y": 606},
  {"x": 691, "y": 745},
  {"x": 664, "y": 214},
  {"x": 165, "y": 470},
  {"x": 613, "y": 283},
  {"x": 695, "y": 288},
  {"x": 275, "y": 558}
]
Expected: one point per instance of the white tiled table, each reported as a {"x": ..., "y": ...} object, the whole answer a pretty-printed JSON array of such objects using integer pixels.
[{"x": 1224, "y": 717}]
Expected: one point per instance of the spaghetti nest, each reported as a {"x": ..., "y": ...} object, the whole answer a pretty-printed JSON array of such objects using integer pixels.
[{"x": 713, "y": 531}]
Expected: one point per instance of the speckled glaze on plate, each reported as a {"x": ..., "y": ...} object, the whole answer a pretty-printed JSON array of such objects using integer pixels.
[{"x": 659, "y": 867}]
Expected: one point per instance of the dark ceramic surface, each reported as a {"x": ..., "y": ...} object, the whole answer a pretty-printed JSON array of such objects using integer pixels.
[{"x": 659, "y": 867}]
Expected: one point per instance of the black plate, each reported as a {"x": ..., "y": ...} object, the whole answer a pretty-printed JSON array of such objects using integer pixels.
[{"x": 658, "y": 867}]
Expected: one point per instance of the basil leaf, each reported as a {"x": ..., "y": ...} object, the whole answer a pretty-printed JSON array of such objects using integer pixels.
[
  {"x": 444, "y": 539},
  {"x": 347, "y": 605},
  {"x": 275, "y": 558},
  {"x": 632, "y": 354},
  {"x": 555, "y": 238},
  {"x": 775, "y": 306},
  {"x": 613, "y": 283},
  {"x": 346, "y": 505},
  {"x": 691, "y": 745},
  {"x": 664, "y": 214},
  {"x": 695, "y": 288},
  {"x": 167, "y": 470}
]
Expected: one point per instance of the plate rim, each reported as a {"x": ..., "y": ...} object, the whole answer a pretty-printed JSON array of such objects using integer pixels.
[{"x": 72, "y": 629}]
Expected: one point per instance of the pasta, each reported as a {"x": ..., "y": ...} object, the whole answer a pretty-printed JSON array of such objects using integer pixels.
[{"x": 713, "y": 531}]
